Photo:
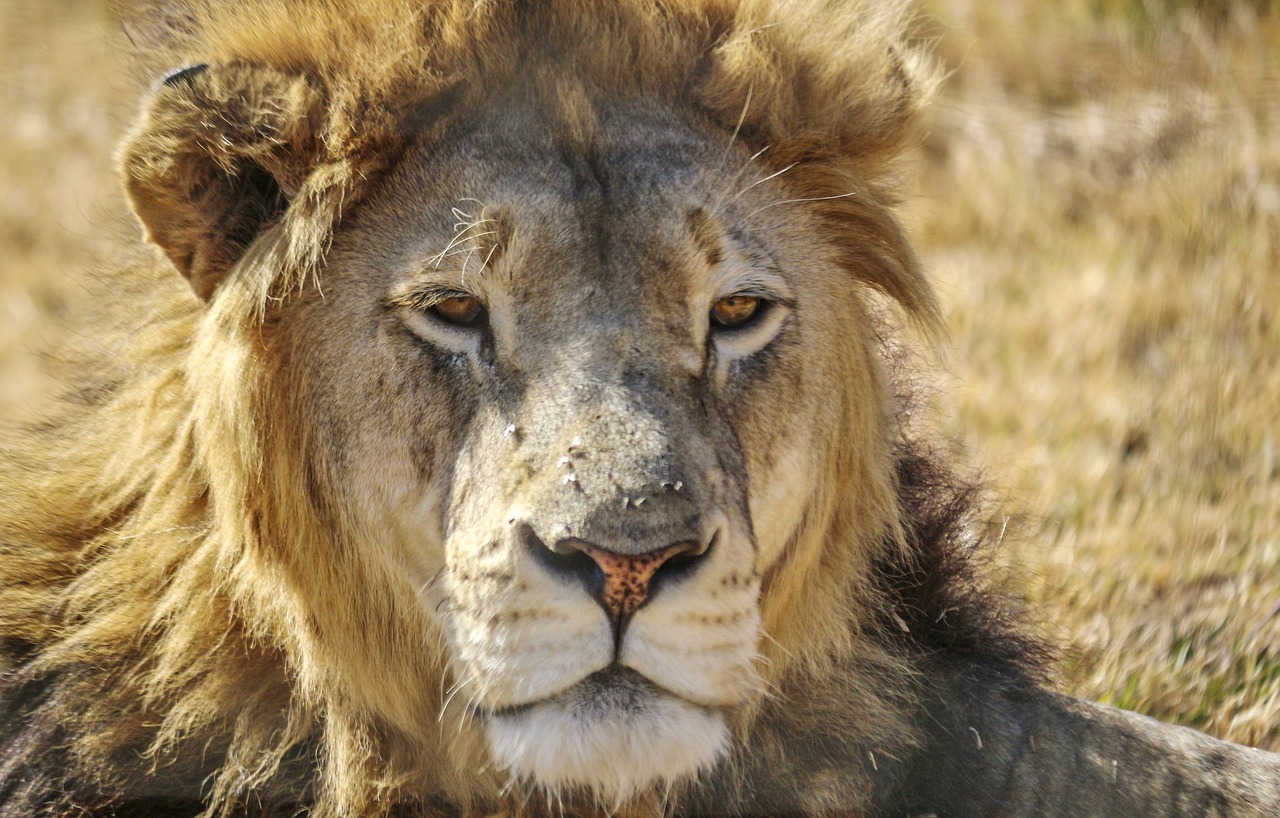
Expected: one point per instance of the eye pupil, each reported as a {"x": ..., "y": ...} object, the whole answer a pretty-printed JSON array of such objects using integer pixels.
[
  {"x": 735, "y": 310},
  {"x": 459, "y": 309}
]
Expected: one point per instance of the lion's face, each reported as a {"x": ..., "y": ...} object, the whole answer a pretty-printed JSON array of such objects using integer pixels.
[{"x": 584, "y": 396}]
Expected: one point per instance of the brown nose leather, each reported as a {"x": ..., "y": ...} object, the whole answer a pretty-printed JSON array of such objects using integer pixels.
[{"x": 627, "y": 576}]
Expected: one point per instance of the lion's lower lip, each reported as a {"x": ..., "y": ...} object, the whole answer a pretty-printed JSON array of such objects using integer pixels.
[
  {"x": 614, "y": 688},
  {"x": 614, "y": 732}
]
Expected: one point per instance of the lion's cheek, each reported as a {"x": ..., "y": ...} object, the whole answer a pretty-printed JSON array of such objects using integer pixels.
[
  {"x": 697, "y": 635},
  {"x": 518, "y": 635},
  {"x": 780, "y": 499},
  {"x": 527, "y": 657},
  {"x": 706, "y": 655},
  {"x": 410, "y": 521}
]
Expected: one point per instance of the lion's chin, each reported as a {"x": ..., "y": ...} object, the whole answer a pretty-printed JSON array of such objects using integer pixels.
[{"x": 614, "y": 734}]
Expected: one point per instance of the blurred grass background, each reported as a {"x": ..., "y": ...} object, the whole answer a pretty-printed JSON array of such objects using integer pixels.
[{"x": 1100, "y": 207}]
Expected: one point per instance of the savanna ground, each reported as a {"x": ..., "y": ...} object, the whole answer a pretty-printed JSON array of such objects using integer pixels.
[{"x": 1100, "y": 207}]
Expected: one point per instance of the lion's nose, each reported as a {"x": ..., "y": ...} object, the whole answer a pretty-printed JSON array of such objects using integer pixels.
[
  {"x": 621, "y": 583},
  {"x": 628, "y": 579}
]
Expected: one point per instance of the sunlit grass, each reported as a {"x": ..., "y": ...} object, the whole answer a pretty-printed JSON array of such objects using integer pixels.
[{"x": 1101, "y": 209}]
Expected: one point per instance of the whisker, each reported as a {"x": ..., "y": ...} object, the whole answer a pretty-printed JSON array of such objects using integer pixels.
[
  {"x": 733, "y": 137},
  {"x": 453, "y": 692},
  {"x": 469, "y": 714},
  {"x": 439, "y": 575},
  {"x": 459, "y": 684},
  {"x": 460, "y": 236},
  {"x": 795, "y": 201},
  {"x": 470, "y": 255},
  {"x": 448, "y": 253},
  {"x": 776, "y": 643},
  {"x": 732, "y": 182},
  {"x": 773, "y": 175},
  {"x": 488, "y": 258}
]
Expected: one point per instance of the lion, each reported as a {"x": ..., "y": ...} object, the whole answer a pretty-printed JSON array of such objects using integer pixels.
[{"x": 510, "y": 421}]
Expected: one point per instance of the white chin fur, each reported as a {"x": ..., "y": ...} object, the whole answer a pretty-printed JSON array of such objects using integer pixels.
[{"x": 614, "y": 743}]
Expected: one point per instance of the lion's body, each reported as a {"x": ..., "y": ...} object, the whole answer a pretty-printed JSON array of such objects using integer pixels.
[{"x": 304, "y": 540}]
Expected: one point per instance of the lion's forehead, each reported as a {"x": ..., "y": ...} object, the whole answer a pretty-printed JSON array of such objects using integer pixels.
[{"x": 626, "y": 208}]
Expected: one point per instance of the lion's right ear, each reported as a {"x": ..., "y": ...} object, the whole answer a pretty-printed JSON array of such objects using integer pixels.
[{"x": 219, "y": 154}]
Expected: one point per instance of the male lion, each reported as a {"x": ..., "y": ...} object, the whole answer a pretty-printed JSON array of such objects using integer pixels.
[{"x": 524, "y": 444}]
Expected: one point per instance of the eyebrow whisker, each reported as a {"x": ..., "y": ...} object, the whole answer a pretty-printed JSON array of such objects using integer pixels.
[
  {"x": 460, "y": 237},
  {"x": 808, "y": 199},
  {"x": 730, "y": 183},
  {"x": 773, "y": 175},
  {"x": 742, "y": 118},
  {"x": 492, "y": 251}
]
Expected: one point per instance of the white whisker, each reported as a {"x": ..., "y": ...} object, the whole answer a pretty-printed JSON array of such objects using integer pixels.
[
  {"x": 732, "y": 182},
  {"x": 485, "y": 265},
  {"x": 460, "y": 236},
  {"x": 796, "y": 201},
  {"x": 453, "y": 692},
  {"x": 773, "y": 175},
  {"x": 733, "y": 137},
  {"x": 435, "y": 578},
  {"x": 469, "y": 714}
]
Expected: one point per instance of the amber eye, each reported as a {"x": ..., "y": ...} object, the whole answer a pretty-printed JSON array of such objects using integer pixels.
[
  {"x": 463, "y": 310},
  {"x": 735, "y": 310}
]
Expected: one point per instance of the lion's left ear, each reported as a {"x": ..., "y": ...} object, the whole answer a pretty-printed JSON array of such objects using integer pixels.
[{"x": 218, "y": 156}]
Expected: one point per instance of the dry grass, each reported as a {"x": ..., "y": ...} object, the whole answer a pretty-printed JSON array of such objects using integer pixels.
[
  {"x": 63, "y": 104},
  {"x": 1101, "y": 209}
]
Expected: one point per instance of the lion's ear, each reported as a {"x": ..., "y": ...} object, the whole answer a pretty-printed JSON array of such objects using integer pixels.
[{"x": 218, "y": 156}]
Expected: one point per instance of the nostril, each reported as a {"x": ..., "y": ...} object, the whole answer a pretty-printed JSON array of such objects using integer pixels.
[
  {"x": 681, "y": 563},
  {"x": 567, "y": 558}
]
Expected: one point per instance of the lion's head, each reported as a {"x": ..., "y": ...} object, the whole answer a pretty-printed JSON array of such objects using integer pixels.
[
  {"x": 586, "y": 406},
  {"x": 534, "y": 403}
]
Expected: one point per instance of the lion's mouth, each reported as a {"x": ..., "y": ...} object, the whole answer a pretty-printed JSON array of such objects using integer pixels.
[
  {"x": 615, "y": 732},
  {"x": 613, "y": 691}
]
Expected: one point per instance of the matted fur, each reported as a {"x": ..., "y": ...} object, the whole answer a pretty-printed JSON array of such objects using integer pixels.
[{"x": 176, "y": 600}]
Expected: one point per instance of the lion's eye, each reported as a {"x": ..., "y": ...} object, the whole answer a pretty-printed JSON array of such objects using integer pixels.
[
  {"x": 736, "y": 310},
  {"x": 461, "y": 310}
]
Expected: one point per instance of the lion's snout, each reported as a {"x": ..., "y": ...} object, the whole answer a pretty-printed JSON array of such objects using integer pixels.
[
  {"x": 620, "y": 500},
  {"x": 620, "y": 582}
]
